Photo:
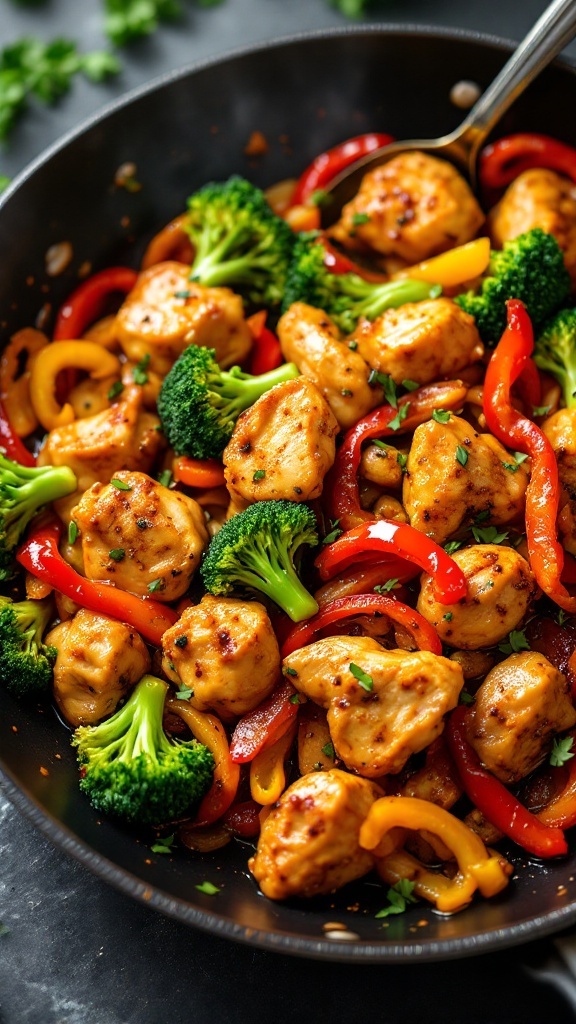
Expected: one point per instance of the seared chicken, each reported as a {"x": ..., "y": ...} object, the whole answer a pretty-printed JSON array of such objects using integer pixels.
[
  {"x": 165, "y": 312},
  {"x": 453, "y": 473},
  {"x": 521, "y": 704},
  {"x": 141, "y": 536},
  {"x": 309, "y": 841},
  {"x": 413, "y": 207},
  {"x": 394, "y": 710},
  {"x": 282, "y": 446},
  {"x": 99, "y": 660},
  {"x": 421, "y": 341},
  {"x": 226, "y": 652},
  {"x": 500, "y": 587},
  {"x": 380, "y": 465},
  {"x": 309, "y": 338},
  {"x": 538, "y": 198}
]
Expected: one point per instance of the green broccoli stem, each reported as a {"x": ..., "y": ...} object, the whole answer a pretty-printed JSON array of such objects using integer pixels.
[
  {"x": 272, "y": 573},
  {"x": 214, "y": 274},
  {"x": 564, "y": 373},
  {"x": 240, "y": 390},
  {"x": 147, "y": 732},
  {"x": 23, "y": 491},
  {"x": 374, "y": 299},
  {"x": 210, "y": 265},
  {"x": 31, "y": 619}
]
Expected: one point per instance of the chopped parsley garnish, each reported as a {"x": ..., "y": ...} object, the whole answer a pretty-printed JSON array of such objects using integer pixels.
[
  {"x": 398, "y": 896},
  {"x": 461, "y": 455},
  {"x": 385, "y": 588},
  {"x": 381, "y": 444},
  {"x": 182, "y": 294},
  {"x": 401, "y": 415},
  {"x": 516, "y": 642},
  {"x": 117, "y": 554},
  {"x": 320, "y": 197},
  {"x": 488, "y": 535},
  {"x": 402, "y": 460},
  {"x": 335, "y": 532},
  {"x": 360, "y": 218},
  {"x": 387, "y": 384},
  {"x": 561, "y": 751},
  {"x": 410, "y": 385},
  {"x": 541, "y": 410},
  {"x": 353, "y": 345},
  {"x": 208, "y": 888},
  {"x": 561, "y": 617},
  {"x": 116, "y": 389},
  {"x": 156, "y": 585},
  {"x": 466, "y": 698},
  {"x": 184, "y": 692},
  {"x": 164, "y": 845},
  {"x": 289, "y": 671},
  {"x": 448, "y": 617},
  {"x": 520, "y": 457},
  {"x": 259, "y": 475},
  {"x": 120, "y": 485},
  {"x": 366, "y": 681},
  {"x": 328, "y": 750},
  {"x": 441, "y": 415},
  {"x": 72, "y": 532},
  {"x": 139, "y": 374},
  {"x": 452, "y": 546},
  {"x": 181, "y": 641},
  {"x": 295, "y": 698},
  {"x": 346, "y": 393},
  {"x": 165, "y": 478}
]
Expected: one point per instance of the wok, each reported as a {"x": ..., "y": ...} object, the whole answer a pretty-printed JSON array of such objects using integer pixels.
[{"x": 304, "y": 94}]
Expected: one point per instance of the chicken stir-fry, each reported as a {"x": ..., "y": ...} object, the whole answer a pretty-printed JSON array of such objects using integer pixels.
[{"x": 298, "y": 541}]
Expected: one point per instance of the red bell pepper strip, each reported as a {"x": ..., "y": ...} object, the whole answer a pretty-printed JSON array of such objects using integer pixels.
[
  {"x": 243, "y": 818},
  {"x": 266, "y": 354},
  {"x": 505, "y": 159},
  {"x": 403, "y": 541},
  {"x": 263, "y": 724},
  {"x": 508, "y": 361},
  {"x": 425, "y": 636},
  {"x": 198, "y": 472},
  {"x": 529, "y": 386},
  {"x": 326, "y": 166},
  {"x": 341, "y": 496},
  {"x": 561, "y": 811},
  {"x": 87, "y": 302},
  {"x": 15, "y": 448},
  {"x": 41, "y": 557},
  {"x": 498, "y": 805},
  {"x": 337, "y": 263}
]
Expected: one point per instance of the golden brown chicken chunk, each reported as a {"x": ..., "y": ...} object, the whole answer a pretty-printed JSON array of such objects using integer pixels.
[
  {"x": 560, "y": 429},
  {"x": 394, "y": 710},
  {"x": 122, "y": 437},
  {"x": 521, "y": 704},
  {"x": 99, "y": 660},
  {"x": 309, "y": 841},
  {"x": 453, "y": 473},
  {"x": 309, "y": 338},
  {"x": 165, "y": 312},
  {"x": 538, "y": 198},
  {"x": 421, "y": 341},
  {"x": 500, "y": 587},
  {"x": 141, "y": 536},
  {"x": 282, "y": 446},
  {"x": 226, "y": 652},
  {"x": 413, "y": 207},
  {"x": 381, "y": 465}
]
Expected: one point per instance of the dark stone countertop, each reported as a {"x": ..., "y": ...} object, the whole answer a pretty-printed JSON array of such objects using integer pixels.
[{"x": 78, "y": 952}]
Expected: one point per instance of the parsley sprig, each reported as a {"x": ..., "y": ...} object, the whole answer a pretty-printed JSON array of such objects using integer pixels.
[
  {"x": 561, "y": 751},
  {"x": 399, "y": 896}
]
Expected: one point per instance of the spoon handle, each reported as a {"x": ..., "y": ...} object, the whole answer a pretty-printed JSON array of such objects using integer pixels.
[{"x": 551, "y": 33}]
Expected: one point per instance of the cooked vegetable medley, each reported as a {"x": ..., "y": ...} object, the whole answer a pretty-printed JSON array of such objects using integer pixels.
[{"x": 294, "y": 556}]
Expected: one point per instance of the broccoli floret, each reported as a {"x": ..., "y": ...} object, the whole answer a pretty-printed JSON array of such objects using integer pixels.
[
  {"x": 23, "y": 491},
  {"x": 25, "y": 661},
  {"x": 344, "y": 297},
  {"x": 555, "y": 352},
  {"x": 256, "y": 549},
  {"x": 530, "y": 268},
  {"x": 132, "y": 770},
  {"x": 238, "y": 240},
  {"x": 199, "y": 403}
]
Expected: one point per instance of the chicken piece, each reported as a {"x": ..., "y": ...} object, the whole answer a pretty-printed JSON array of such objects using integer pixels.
[
  {"x": 376, "y": 726},
  {"x": 500, "y": 587},
  {"x": 309, "y": 843},
  {"x": 538, "y": 198},
  {"x": 226, "y": 652},
  {"x": 99, "y": 659},
  {"x": 415, "y": 206},
  {"x": 141, "y": 536},
  {"x": 441, "y": 494},
  {"x": 380, "y": 465},
  {"x": 518, "y": 709},
  {"x": 421, "y": 341},
  {"x": 282, "y": 446},
  {"x": 122, "y": 437},
  {"x": 165, "y": 312},
  {"x": 560, "y": 429},
  {"x": 309, "y": 338},
  {"x": 90, "y": 397}
]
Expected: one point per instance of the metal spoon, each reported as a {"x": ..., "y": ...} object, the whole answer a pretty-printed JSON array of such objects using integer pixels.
[{"x": 551, "y": 33}]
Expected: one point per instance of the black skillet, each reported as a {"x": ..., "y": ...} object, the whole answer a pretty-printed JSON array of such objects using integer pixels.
[{"x": 305, "y": 95}]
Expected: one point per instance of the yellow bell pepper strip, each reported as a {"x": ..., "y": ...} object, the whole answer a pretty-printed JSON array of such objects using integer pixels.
[
  {"x": 315, "y": 745},
  {"x": 478, "y": 868},
  {"x": 64, "y": 355},
  {"x": 15, "y": 379},
  {"x": 456, "y": 266},
  {"x": 267, "y": 775},
  {"x": 210, "y": 731},
  {"x": 428, "y": 885}
]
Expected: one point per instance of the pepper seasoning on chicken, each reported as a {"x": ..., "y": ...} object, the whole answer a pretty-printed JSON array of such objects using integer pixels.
[
  {"x": 383, "y": 706},
  {"x": 140, "y": 535},
  {"x": 226, "y": 652}
]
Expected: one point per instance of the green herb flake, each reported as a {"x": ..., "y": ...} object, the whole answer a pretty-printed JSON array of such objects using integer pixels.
[
  {"x": 561, "y": 617},
  {"x": 335, "y": 532},
  {"x": 295, "y": 698},
  {"x": 488, "y": 535},
  {"x": 116, "y": 389},
  {"x": 139, "y": 374},
  {"x": 120, "y": 485},
  {"x": 164, "y": 845},
  {"x": 541, "y": 410},
  {"x": 328, "y": 750},
  {"x": 346, "y": 393},
  {"x": 410, "y": 385},
  {"x": 384, "y": 380},
  {"x": 461, "y": 455},
  {"x": 466, "y": 698},
  {"x": 452, "y": 546},
  {"x": 182, "y": 294},
  {"x": 381, "y": 444},
  {"x": 561, "y": 751},
  {"x": 289, "y": 671},
  {"x": 165, "y": 478},
  {"x": 385, "y": 588},
  {"x": 259, "y": 475},
  {"x": 512, "y": 467},
  {"x": 401, "y": 415},
  {"x": 156, "y": 585},
  {"x": 441, "y": 415},
  {"x": 320, "y": 197},
  {"x": 72, "y": 532},
  {"x": 360, "y": 218},
  {"x": 448, "y": 617},
  {"x": 117, "y": 554},
  {"x": 402, "y": 460},
  {"x": 399, "y": 897},
  {"x": 181, "y": 641},
  {"x": 184, "y": 692},
  {"x": 353, "y": 345},
  {"x": 366, "y": 681},
  {"x": 520, "y": 457},
  {"x": 208, "y": 888},
  {"x": 516, "y": 642}
]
